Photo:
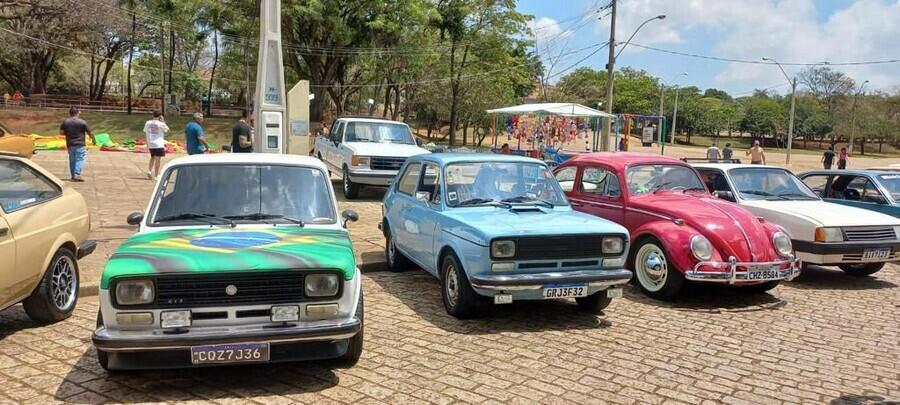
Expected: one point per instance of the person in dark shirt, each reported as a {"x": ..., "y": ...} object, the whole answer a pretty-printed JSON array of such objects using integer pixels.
[
  {"x": 74, "y": 129},
  {"x": 828, "y": 158},
  {"x": 241, "y": 135},
  {"x": 727, "y": 152}
]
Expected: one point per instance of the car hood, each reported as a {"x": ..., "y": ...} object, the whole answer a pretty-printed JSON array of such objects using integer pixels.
[
  {"x": 231, "y": 249},
  {"x": 733, "y": 230},
  {"x": 820, "y": 213},
  {"x": 384, "y": 149},
  {"x": 482, "y": 224}
]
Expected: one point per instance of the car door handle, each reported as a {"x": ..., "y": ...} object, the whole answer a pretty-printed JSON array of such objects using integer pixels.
[{"x": 4, "y": 231}]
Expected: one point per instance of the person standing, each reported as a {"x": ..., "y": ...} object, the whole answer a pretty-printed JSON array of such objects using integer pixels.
[
  {"x": 842, "y": 159},
  {"x": 6, "y": 98},
  {"x": 74, "y": 129},
  {"x": 828, "y": 158},
  {"x": 242, "y": 135},
  {"x": 712, "y": 153},
  {"x": 155, "y": 130},
  {"x": 727, "y": 152},
  {"x": 195, "y": 138},
  {"x": 757, "y": 154}
]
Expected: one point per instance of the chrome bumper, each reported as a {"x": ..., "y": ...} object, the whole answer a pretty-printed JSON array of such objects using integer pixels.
[
  {"x": 738, "y": 271},
  {"x": 535, "y": 281}
]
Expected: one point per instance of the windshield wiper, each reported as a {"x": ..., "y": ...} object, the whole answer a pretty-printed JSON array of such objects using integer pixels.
[
  {"x": 660, "y": 186},
  {"x": 525, "y": 199},
  {"x": 762, "y": 193},
  {"x": 208, "y": 218},
  {"x": 261, "y": 217},
  {"x": 482, "y": 201},
  {"x": 804, "y": 196}
]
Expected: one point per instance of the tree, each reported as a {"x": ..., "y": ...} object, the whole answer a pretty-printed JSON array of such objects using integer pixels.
[
  {"x": 762, "y": 116},
  {"x": 107, "y": 42},
  {"x": 583, "y": 85}
]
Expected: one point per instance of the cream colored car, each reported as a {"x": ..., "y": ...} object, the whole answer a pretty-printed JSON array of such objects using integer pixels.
[{"x": 44, "y": 227}]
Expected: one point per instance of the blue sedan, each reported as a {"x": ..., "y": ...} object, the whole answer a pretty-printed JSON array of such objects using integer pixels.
[
  {"x": 870, "y": 189},
  {"x": 498, "y": 228}
]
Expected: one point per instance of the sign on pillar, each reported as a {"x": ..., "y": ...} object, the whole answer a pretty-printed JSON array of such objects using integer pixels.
[{"x": 269, "y": 108}]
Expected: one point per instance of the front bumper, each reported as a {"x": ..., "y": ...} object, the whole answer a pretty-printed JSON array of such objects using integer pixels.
[
  {"x": 536, "y": 281},
  {"x": 834, "y": 253},
  {"x": 372, "y": 177},
  {"x": 738, "y": 272},
  {"x": 86, "y": 248}
]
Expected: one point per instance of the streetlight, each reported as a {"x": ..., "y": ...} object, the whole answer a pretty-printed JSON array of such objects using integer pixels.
[
  {"x": 853, "y": 121},
  {"x": 793, "y": 82},
  {"x": 662, "y": 92},
  {"x": 610, "y": 66}
]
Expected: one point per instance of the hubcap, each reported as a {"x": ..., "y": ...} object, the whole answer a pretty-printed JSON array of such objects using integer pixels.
[
  {"x": 452, "y": 285},
  {"x": 63, "y": 283},
  {"x": 651, "y": 267}
]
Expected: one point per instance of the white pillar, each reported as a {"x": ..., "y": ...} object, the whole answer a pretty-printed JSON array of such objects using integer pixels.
[{"x": 269, "y": 106}]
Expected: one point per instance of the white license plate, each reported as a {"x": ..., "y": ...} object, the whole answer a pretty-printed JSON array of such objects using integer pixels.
[
  {"x": 565, "y": 291},
  {"x": 762, "y": 275},
  {"x": 870, "y": 255},
  {"x": 232, "y": 353}
]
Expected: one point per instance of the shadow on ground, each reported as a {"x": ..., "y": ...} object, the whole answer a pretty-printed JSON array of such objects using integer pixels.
[
  {"x": 421, "y": 292},
  {"x": 712, "y": 298},
  {"x": 851, "y": 399},
  {"x": 832, "y": 278},
  {"x": 366, "y": 194},
  {"x": 218, "y": 383},
  {"x": 14, "y": 319}
]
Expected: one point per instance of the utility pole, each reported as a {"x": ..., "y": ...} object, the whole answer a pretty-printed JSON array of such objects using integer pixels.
[
  {"x": 610, "y": 67},
  {"x": 790, "y": 137},
  {"x": 675, "y": 115},
  {"x": 853, "y": 119}
]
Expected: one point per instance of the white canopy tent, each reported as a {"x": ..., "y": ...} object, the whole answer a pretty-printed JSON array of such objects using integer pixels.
[{"x": 570, "y": 110}]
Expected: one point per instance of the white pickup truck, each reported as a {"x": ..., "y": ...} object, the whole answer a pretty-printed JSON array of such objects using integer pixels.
[{"x": 366, "y": 151}]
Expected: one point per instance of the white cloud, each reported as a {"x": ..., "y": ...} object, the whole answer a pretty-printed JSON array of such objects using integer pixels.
[{"x": 547, "y": 29}]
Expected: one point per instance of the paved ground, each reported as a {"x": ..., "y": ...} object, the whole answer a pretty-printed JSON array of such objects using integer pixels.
[{"x": 825, "y": 337}]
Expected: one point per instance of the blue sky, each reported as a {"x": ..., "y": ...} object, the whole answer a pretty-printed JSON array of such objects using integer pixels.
[{"x": 802, "y": 31}]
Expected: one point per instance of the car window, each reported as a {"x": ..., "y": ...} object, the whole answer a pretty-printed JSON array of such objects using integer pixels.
[
  {"x": 818, "y": 183},
  {"x": 599, "y": 181},
  {"x": 21, "y": 186},
  {"x": 481, "y": 183},
  {"x": 714, "y": 180},
  {"x": 654, "y": 177},
  {"x": 379, "y": 132},
  {"x": 410, "y": 179},
  {"x": 431, "y": 183},
  {"x": 336, "y": 131},
  {"x": 891, "y": 183},
  {"x": 566, "y": 178},
  {"x": 860, "y": 188}
]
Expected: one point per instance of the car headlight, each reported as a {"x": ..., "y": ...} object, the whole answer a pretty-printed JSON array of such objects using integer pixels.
[
  {"x": 612, "y": 245},
  {"x": 360, "y": 160},
  {"x": 829, "y": 235},
  {"x": 135, "y": 292},
  {"x": 782, "y": 243},
  {"x": 322, "y": 285},
  {"x": 701, "y": 248},
  {"x": 503, "y": 249}
]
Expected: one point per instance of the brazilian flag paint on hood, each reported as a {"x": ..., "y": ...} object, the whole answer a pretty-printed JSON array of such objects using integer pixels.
[{"x": 232, "y": 249}]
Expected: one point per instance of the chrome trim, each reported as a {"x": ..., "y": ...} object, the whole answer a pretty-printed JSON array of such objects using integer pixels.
[
  {"x": 608, "y": 205},
  {"x": 667, "y": 218},
  {"x": 733, "y": 275},
  {"x": 535, "y": 281}
]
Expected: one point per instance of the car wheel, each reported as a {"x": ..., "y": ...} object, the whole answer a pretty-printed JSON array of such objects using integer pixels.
[
  {"x": 861, "y": 270},
  {"x": 351, "y": 189},
  {"x": 396, "y": 261},
  {"x": 758, "y": 288},
  {"x": 460, "y": 300},
  {"x": 654, "y": 275},
  {"x": 355, "y": 344},
  {"x": 594, "y": 303},
  {"x": 55, "y": 297},
  {"x": 102, "y": 357}
]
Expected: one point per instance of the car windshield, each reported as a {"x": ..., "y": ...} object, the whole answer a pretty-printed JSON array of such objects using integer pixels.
[
  {"x": 379, "y": 132},
  {"x": 501, "y": 183},
  {"x": 236, "y": 194},
  {"x": 769, "y": 183},
  {"x": 653, "y": 178},
  {"x": 891, "y": 183}
]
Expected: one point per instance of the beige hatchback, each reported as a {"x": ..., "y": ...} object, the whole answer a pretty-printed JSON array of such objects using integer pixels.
[{"x": 44, "y": 227}]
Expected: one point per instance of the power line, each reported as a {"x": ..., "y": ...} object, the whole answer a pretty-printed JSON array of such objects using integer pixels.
[{"x": 759, "y": 62}]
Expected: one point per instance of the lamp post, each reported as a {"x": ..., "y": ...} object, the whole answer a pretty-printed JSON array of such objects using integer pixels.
[
  {"x": 674, "y": 115},
  {"x": 662, "y": 93},
  {"x": 853, "y": 120},
  {"x": 610, "y": 67},
  {"x": 793, "y": 82}
]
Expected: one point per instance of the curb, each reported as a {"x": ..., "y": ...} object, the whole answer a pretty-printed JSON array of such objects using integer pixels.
[{"x": 88, "y": 290}]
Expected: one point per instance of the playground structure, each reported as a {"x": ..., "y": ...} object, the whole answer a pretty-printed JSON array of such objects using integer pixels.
[{"x": 650, "y": 134}]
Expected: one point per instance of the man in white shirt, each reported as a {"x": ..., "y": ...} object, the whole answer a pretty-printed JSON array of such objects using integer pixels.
[
  {"x": 155, "y": 130},
  {"x": 713, "y": 153}
]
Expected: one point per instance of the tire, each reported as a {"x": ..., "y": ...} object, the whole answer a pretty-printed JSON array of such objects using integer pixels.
[
  {"x": 460, "y": 300},
  {"x": 759, "y": 288},
  {"x": 351, "y": 189},
  {"x": 660, "y": 281},
  {"x": 102, "y": 357},
  {"x": 396, "y": 261},
  {"x": 355, "y": 344},
  {"x": 861, "y": 270},
  {"x": 55, "y": 297},
  {"x": 594, "y": 303}
]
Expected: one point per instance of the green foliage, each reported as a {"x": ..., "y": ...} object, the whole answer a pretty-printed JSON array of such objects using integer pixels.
[{"x": 762, "y": 116}]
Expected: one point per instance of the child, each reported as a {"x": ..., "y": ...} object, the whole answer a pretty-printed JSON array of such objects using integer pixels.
[
  {"x": 842, "y": 159},
  {"x": 155, "y": 130}
]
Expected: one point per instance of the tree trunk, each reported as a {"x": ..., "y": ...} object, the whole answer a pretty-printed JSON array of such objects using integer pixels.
[
  {"x": 93, "y": 80},
  {"x": 101, "y": 86},
  {"x": 465, "y": 131},
  {"x": 212, "y": 74},
  {"x": 387, "y": 100},
  {"x": 131, "y": 53},
  {"x": 395, "y": 112},
  {"x": 171, "y": 57}
]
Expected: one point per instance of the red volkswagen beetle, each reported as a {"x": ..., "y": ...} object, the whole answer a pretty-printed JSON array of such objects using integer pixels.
[{"x": 678, "y": 230}]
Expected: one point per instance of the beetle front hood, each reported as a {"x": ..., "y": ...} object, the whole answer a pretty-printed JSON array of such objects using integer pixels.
[
  {"x": 481, "y": 224},
  {"x": 731, "y": 229},
  {"x": 230, "y": 250}
]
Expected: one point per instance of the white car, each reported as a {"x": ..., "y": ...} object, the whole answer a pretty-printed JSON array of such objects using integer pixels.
[
  {"x": 858, "y": 241},
  {"x": 366, "y": 151}
]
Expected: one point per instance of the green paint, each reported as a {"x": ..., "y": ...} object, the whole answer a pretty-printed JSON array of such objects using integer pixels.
[{"x": 231, "y": 250}]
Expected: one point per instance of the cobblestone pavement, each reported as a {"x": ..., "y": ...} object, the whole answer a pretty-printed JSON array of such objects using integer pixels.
[{"x": 825, "y": 337}]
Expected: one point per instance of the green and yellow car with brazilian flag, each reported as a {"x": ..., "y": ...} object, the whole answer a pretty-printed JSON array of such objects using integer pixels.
[{"x": 240, "y": 258}]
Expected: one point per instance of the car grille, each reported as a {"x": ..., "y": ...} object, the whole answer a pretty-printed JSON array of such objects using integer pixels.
[
  {"x": 386, "y": 163},
  {"x": 190, "y": 291},
  {"x": 559, "y": 247},
  {"x": 873, "y": 233}
]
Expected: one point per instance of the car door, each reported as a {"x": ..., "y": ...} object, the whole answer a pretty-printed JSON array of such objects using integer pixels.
[
  {"x": 600, "y": 192},
  {"x": 333, "y": 157},
  {"x": 8, "y": 280},
  {"x": 857, "y": 191},
  {"x": 402, "y": 226},
  {"x": 424, "y": 215}
]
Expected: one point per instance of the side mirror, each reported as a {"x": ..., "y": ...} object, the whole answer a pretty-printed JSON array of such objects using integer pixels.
[
  {"x": 419, "y": 141},
  {"x": 135, "y": 218},
  {"x": 423, "y": 196},
  {"x": 725, "y": 195},
  {"x": 349, "y": 216}
]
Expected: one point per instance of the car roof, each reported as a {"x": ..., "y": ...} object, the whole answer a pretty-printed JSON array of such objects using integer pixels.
[
  {"x": 451, "y": 157},
  {"x": 730, "y": 166},
  {"x": 249, "y": 159},
  {"x": 368, "y": 119},
  {"x": 852, "y": 172},
  {"x": 620, "y": 160}
]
